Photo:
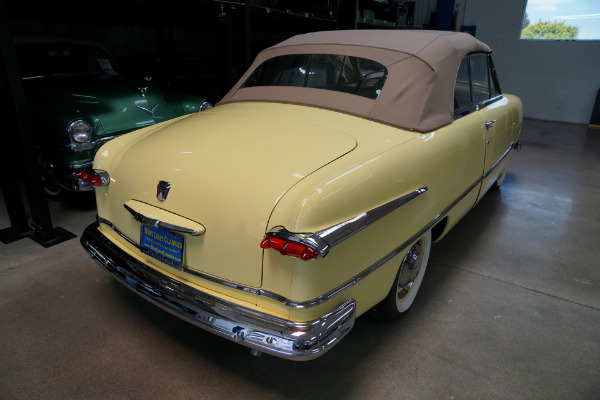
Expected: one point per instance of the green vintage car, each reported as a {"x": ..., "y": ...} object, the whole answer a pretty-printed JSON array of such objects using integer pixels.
[{"x": 78, "y": 100}]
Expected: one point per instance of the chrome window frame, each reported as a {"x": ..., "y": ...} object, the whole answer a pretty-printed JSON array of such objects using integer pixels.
[{"x": 493, "y": 87}]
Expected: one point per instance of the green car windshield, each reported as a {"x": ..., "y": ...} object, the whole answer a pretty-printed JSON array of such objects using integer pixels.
[
  {"x": 340, "y": 73},
  {"x": 51, "y": 59}
]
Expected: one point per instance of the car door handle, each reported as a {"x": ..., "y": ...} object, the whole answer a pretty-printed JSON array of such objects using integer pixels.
[{"x": 490, "y": 124}]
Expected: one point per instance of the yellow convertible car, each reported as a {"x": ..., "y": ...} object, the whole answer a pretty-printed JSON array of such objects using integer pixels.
[{"x": 312, "y": 192}]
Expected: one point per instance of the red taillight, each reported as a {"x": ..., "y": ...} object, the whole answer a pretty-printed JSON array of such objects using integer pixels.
[
  {"x": 92, "y": 179},
  {"x": 289, "y": 248}
]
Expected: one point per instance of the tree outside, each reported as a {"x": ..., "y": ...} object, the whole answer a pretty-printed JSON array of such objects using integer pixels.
[
  {"x": 550, "y": 31},
  {"x": 526, "y": 21}
]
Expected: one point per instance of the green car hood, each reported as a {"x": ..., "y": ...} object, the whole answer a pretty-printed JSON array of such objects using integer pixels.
[{"x": 113, "y": 103}]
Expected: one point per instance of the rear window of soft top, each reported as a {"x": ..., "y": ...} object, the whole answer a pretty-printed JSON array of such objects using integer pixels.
[{"x": 347, "y": 74}]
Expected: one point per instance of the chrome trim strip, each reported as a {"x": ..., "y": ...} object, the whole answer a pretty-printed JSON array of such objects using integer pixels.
[
  {"x": 249, "y": 327},
  {"x": 118, "y": 232},
  {"x": 208, "y": 278},
  {"x": 325, "y": 239},
  {"x": 77, "y": 166},
  {"x": 325, "y": 297},
  {"x": 92, "y": 144},
  {"x": 355, "y": 279},
  {"x": 340, "y": 232},
  {"x": 149, "y": 111},
  {"x": 499, "y": 161},
  {"x": 159, "y": 224},
  {"x": 487, "y": 102},
  {"x": 105, "y": 139}
]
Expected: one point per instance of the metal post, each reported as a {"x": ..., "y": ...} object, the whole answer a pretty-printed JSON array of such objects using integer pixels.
[{"x": 19, "y": 153}]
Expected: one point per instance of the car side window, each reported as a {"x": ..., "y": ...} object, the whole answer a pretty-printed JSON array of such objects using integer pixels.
[
  {"x": 462, "y": 90},
  {"x": 476, "y": 84},
  {"x": 480, "y": 77}
]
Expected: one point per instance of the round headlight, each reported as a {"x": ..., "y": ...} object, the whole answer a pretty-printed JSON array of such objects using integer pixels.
[
  {"x": 205, "y": 106},
  {"x": 80, "y": 131}
]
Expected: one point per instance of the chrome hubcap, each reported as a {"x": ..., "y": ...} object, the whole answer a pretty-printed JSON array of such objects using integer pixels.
[{"x": 409, "y": 270}]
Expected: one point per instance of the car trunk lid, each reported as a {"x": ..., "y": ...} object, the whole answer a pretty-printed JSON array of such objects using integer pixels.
[{"x": 226, "y": 176}]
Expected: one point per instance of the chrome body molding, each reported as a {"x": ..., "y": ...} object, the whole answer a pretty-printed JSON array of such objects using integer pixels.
[
  {"x": 257, "y": 330},
  {"x": 398, "y": 250},
  {"x": 117, "y": 231},
  {"x": 93, "y": 143},
  {"x": 209, "y": 278},
  {"x": 259, "y": 292},
  {"x": 325, "y": 239},
  {"x": 440, "y": 216},
  {"x": 159, "y": 224},
  {"x": 149, "y": 111},
  {"x": 340, "y": 232},
  {"x": 360, "y": 223},
  {"x": 78, "y": 167},
  {"x": 486, "y": 103},
  {"x": 512, "y": 145},
  {"x": 81, "y": 146}
]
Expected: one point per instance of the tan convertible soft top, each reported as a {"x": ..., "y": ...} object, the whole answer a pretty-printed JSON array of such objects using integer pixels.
[{"x": 419, "y": 90}]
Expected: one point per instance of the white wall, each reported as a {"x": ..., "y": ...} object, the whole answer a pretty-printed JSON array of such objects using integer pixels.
[{"x": 556, "y": 80}]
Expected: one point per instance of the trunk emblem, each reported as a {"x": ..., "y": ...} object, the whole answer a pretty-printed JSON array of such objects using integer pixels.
[
  {"x": 150, "y": 111},
  {"x": 162, "y": 190}
]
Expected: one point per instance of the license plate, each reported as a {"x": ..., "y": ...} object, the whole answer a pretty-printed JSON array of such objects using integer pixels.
[{"x": 164, "y": 246}]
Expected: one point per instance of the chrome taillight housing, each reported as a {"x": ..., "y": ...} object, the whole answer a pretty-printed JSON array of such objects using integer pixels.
[
  {"x": 94, "y": 178},
  {"x": 305, "y": 246}
]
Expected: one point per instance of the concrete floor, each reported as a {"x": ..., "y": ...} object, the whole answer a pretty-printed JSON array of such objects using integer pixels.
[{"x": 509, "y": 309}]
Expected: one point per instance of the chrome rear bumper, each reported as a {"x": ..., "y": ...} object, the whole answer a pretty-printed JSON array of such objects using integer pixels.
[{"x": 259, "y": 331}]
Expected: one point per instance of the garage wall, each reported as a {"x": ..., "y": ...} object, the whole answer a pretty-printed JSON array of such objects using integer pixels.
[{"x": 556, "y": 80}]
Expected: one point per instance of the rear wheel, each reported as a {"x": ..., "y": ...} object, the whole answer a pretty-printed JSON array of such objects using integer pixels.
[{"x": 407, "y": 283}]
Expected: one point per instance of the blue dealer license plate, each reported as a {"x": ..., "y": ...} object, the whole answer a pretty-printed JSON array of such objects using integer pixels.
[{"x": 164, "y": 246}]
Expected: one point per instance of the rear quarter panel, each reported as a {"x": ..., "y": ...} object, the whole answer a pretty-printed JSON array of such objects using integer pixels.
[{"x": 446, "y": 161}]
